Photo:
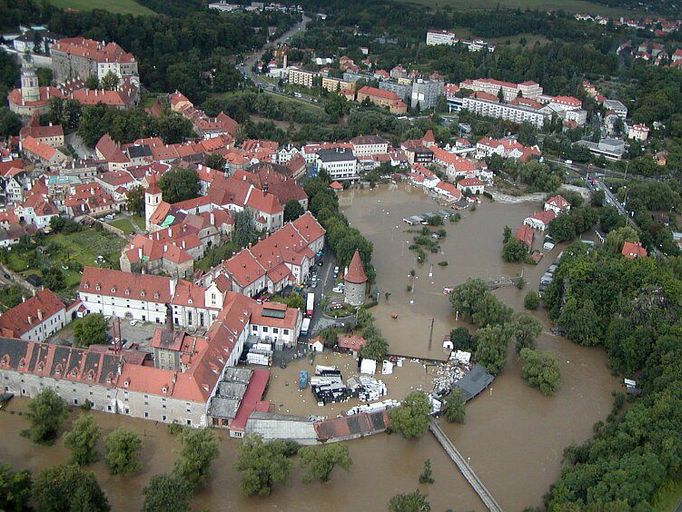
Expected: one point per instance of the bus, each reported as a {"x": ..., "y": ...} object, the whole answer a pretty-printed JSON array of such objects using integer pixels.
[
  {"x": 310, "y": 304},
  {"x": 305, "y": 326}
]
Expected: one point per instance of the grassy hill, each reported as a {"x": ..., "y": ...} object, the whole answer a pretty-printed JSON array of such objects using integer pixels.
[
  {"x": 115, "y": 6},
  {"x": 554, "y": 5}
]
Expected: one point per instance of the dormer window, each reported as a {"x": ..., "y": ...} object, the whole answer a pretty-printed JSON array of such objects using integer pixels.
[
  {"x": 127, "y": 291},
  {"x": 86, "y": 285},
  {"x": 126, "y": 383},
  {"x": 113, "y": 289},
  {"x": 91, "y": 374},
  {"x": 189, "y": 301},
  {"x": 41, "y": 366},
  {"x": 98, "y": 287},
  {"x": 156, "y": 295},
  {"x": 164, "y": 390},
  {"x": 58, "y": 370},
  {"x": 142, "y": 294},
  {"x": 74, "y": 372}
]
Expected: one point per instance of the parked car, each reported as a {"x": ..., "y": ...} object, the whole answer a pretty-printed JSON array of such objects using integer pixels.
[{"x": 133, "y": 322}]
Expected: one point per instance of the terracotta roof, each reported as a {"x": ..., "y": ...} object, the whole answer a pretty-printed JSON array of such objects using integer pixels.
[
  {"x": 356, "y": 270},
  {"x": 30, "y": 313},
  {"x": 38, "y": 132},
  {"x": 632, "y": 250},
  {"x": 525, "y": 234},
  {"x": 335, "y": 185},
  {"x": 110, "y": 150},
  {"x": 353, "y": 343},
  {"x": 41, "y": 150},
  {"x": 378, "y": 93},
  {"x": 558, "y": 201},
  {"x": 107, "y": 282}
]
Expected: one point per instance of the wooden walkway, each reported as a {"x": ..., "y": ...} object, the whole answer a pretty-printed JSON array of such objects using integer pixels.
[{"x": 464, "y": 468}]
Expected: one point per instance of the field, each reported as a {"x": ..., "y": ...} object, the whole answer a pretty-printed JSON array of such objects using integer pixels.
[
  {"x": 116, "y": 6},
  {"x": 70, "y": 252},
  {"x": 565, "y": 5},
  {"x": 126, "y": 226},
  {"x": 668, "y": 496}
]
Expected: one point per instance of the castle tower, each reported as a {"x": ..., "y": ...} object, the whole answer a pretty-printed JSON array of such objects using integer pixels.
[
  {"x": 152, "y": 199},
  {"x": 355, "y": 281},
  {"x": 30, "y": 91}
]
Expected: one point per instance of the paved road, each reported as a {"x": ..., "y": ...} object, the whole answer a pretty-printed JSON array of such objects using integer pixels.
[{"x": 246, "y": 68}]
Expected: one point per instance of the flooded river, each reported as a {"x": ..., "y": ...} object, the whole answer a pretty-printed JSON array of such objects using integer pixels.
[{"x": 514, "y": 437}]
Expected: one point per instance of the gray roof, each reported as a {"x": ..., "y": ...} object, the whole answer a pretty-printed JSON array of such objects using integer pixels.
[
  {"x": 474, "y": 382},
  {"x": 335, "y": 155}
]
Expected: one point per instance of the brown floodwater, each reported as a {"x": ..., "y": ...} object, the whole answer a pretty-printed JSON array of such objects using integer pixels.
[{"x": 513, "y": 435}]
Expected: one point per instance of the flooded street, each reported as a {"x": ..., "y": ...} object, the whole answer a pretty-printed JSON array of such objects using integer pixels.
[{"x": 513, "y": 436}]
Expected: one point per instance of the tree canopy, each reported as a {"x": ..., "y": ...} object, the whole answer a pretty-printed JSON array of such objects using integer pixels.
[
  {"x": 92, "y": 329},
  {"x": 454, "y": 409},
  {"x": 319, "y": 462},
  {"x": 122, "y": 454},
  {"x": 411, "y": 419},
  {"x": 67, "y": 488},
  {"x": 46, "y": 412},
  {"x": 82, "y": 440},
  {"x": 262, "y": 465},
  {"x": 179, "y": 184},
  {"x": 540, "y": 370},
  {"x": 199, "y": 449},
  {"x": 166, "y": 493},
  {"x": 410, "y": 502}
]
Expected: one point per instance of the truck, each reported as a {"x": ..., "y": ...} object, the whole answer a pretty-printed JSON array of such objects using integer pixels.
[
  {"x": 310, "y": 304},
  {"x": 305, "y": 326}
]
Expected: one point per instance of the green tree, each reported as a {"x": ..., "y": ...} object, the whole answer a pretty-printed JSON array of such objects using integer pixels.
[
  {"x": 10, "y": 123},
  {"x": 562, "y": 228},
  {"x": 82, "y": 440},
  {"x": 15, "y": 489},
  {"x": 376, "y": 347},
  {"x": 410, "y": 502},
  {"x": 531, "y": 301},
  {"x": 506, "y": 234},
  {"x": 491, "y": 347},
  {"x": 466, "y": 297},
  {"x": 179, "y": 185},
  {"x": 411, "y": 419},
  {"x": 215, "y": 161},
  {"x": 244, "y": 232},
  {"x": 580, "y": 322},
  {"x": 261, "y": 465},
  {"x": 610, "y": 219},
  {"x": 540, "y": 370},
  {"x": 597, "y": 198},
  {"x": 454, "y": 407},
  {"x": 67, "y": 488},
  {"x": 122, "y": 451},
  {"x": 515, "y": 251},
  {"x": 54, "y": 278},
  {"x": 44, "y": 76},
  {"x": 426, "y": 476},
  {"x": 526, "y": 329},
  {"x": 166, "y": 493},
  {"x": 199, "y": 449},
  {"x": 92, "y": 329},
  {"x": 110, "y": 81},
  {"x": 319, "y": 462},
  {"x": 462, "y": 339},
  {"x": 135, "y": 200},
  {"x": 292, "y": 210},
  {"x": 92, "y": 82},
  {"x": 46, "y": 412}
]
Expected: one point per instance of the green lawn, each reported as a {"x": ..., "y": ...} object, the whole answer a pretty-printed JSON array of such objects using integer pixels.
[
  {"x": 70, "y": 252},
  {"x": 566, "y": 5},
  {"x": 124, "y": 225},
  {"x": 215, "y": 255},
  {"x": 115, "y": 6},
  {"x": 668, "y": 496}
]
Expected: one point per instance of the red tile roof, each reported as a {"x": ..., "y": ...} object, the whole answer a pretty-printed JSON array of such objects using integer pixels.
[
  {"x": 353, "y": 343},
  {"x": 356, "y": 270},
  {"x": 25, "y": 316},
  {"x": 525, "y": 234},
  {"x": 633, "y": 250},
  {"x": 100, "y": 281}
]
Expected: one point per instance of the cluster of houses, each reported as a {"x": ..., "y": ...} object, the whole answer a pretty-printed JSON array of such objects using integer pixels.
[
  {"x": 659, "y": 27},
  {"x": 393, "y": 90},
  {"x": 653, "y": 52},
  {"x": 435, "y": 37}
]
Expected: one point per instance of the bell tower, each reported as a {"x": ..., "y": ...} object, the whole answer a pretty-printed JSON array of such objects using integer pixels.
[{"x": 30, "y": 91}]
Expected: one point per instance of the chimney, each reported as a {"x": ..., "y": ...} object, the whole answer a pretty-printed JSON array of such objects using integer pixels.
[
  {"x": 170, "y": 232},
  {"x": 30, "y": 319},
  {"x": 40, "y": 315},
  {"x": 139, "y": 252},
  {"x": 212, "y": 217},
  {"x": 165, "y": 248},
  {"x": 172, "y": 283}
]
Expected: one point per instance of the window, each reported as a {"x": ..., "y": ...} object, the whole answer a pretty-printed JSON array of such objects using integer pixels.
[
  {"x": 275, "y": 330},
  {"x": 146, "y": 414},
  {"x": 265, "y": 329},
  {"x": 286, "y": 331},
  {"x": 75, "y": 401},
  {"x": 109, "y": 408},
  {"x": 189, "y": 422},
  {"x": 163, "y": 418}
]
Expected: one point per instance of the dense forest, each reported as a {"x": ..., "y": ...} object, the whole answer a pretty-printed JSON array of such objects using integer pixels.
[{"x": 632, "y": 309}]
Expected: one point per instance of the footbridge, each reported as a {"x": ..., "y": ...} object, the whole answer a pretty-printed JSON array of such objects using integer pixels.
[{"x": 464, "y": 468}]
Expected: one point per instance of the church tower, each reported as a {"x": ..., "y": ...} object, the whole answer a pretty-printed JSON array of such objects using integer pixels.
[
  {"x": 152, "y": 199},
  {"x": 30, "y": 91}
]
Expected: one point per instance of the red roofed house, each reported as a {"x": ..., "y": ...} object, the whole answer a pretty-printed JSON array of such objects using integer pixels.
[
  {"x": 382, "y": 98},
  {"x": 42, "y": 153},
  {"x": 540, "y": 220},
  {"x": 355, "y": 281},
  {"x": 336, "y": 186},
  {"x": 633, "y": 250},
  {"x": 107, "y": 149},
  {"x": 557, "y": 204},
  {"x": 351, "y": 344},
  {"x": 35, "y": 319},
  {"x": 449, "y": 191},
  {"x": 31, "y": 99},
  {"x": 526, "y": 235},
  {"x": 474, "y": 185},
  {"x": 52, "y": 135}
]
